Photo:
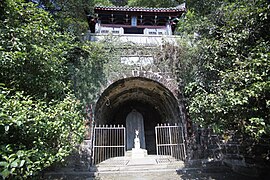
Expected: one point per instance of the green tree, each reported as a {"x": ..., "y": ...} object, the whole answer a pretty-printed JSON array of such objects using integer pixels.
[
  {"x": 36, "y": 134},
  {"x": 33, "y": 53},
  {"x": 42, "y": 124},
  {"x": 119, "y": 2},
  {"x": 204, "y": 7},
  {"x": 86, "y": 69},
  {"x": 230, "y": 89},
  {"x": 103, "y": 3},
  {"x": 72, "y": 15}
]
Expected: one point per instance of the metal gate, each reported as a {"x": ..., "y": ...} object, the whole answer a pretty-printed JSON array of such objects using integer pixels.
[
  {"x": 109, "y": 141},
  {"x": 170, "y": 141}
]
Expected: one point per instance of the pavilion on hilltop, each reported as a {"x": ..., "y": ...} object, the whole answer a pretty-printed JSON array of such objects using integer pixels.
[{"x": 135, "y": 20}]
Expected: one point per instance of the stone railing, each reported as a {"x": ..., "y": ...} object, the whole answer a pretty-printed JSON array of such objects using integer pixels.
[{"x": 142, "y": 39}]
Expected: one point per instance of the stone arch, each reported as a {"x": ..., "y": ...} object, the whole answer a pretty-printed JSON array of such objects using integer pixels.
[
  {"x": 139, "y": 90},
  {"x": 152, "y": 99},
  {"x": 166, "y": 79}
]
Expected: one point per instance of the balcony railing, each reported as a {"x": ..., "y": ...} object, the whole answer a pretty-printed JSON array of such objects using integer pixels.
[{"x": 142, "y": 39}]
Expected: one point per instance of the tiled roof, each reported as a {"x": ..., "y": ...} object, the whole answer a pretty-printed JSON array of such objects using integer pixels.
[{"x": 179, "y": 8}]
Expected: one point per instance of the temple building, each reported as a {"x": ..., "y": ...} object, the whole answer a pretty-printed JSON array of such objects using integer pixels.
[{"x": 135, "y": 20}]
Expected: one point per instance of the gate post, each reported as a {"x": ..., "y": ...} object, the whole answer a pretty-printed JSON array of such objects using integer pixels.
[{"x": 170, "y": 135}]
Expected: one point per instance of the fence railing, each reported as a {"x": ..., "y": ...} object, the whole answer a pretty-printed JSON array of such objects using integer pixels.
[
  {"x": 109, "y": 141},
  {"x": 170, "y": 141},
  {"x": 143, "y": 39}
]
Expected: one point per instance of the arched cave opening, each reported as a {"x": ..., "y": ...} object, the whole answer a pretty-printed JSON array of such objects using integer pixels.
[{"x": 150, "y": 98}]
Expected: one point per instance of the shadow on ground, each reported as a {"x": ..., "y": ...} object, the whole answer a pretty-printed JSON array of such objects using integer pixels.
[{"x": 218, "y": 171}]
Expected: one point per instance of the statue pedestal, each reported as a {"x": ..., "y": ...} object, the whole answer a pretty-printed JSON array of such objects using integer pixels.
[{"x": 138, "y": 153}]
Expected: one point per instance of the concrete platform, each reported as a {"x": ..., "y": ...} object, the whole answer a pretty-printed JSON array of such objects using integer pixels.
[
  {"x": 148, "y": 163},
  {"x": 149, "y": 167}
]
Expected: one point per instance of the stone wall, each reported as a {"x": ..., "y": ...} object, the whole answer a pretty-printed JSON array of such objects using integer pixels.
[{"x": 232, "y": 150}]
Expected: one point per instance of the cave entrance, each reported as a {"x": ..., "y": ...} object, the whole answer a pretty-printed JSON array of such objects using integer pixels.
[{"x": 151, "y": 99}]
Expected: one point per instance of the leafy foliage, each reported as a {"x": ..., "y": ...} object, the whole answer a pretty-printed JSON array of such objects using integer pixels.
[
  {"x": 119, "y": 2},
  {"x": 40, "y": 121},
  {"x": 203, "y": 8},
  {"x": 41, "y": 61},
  {"x": 72, "y": 15},
  {"x": 33, "y": 54},
  {"x": 86, "y": 69},
  {"x": 34, "y": 134},
  {"x": 103, "y": 3},
  {"x": 230, "y": 89}
]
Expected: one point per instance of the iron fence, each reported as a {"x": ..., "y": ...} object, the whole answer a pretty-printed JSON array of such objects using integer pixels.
[
  {"x": 170, "y": 141},
  {"x": 109, "y": 141}
]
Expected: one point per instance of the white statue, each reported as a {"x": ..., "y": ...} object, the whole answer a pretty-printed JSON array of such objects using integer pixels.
[{"x": 137, "y": 140}]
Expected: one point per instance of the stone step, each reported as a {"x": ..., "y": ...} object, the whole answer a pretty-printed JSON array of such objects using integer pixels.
[
  {"x": 122, "y": 167},
  {"x": 137, "y": 168},
  {"x": 158, "y": 175},
  {"x": 133, "y": 166},
  {"x": 68, "y": 175}
]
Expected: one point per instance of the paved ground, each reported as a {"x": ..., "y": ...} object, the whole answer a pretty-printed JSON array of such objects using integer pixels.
[
  {"x": 150, "y": 168},
  {"x": 154, "y": 176},
  {"x": 172, "y": 176}
]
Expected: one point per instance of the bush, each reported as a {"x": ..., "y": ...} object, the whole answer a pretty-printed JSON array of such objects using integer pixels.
[{"x": 35, "y": 134}]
